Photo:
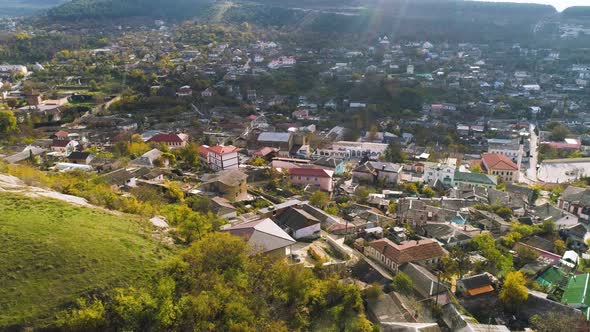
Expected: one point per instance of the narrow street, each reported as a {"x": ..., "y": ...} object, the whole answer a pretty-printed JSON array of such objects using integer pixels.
[{"x": 531, "y": 173}]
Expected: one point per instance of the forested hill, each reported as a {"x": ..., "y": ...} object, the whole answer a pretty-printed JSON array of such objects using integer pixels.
[
  {"x": 423, "y": 19},
  {"x": 577, "y": 12},
  {"x": 448, "y": 20},
  {"x": 401, "y": 8},
  {"x": 173, "y": 9}
]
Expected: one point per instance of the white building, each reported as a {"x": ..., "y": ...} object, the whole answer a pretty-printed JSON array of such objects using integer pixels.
[
  {"x": 443, "y": 171},
  {"x": 220, "y": 157},
  {"x": 349, "y": 149},
  {"x": 511, "y": 148},
  {"x": 563, "y": 170},
  {"x": 17, "y": 69}
]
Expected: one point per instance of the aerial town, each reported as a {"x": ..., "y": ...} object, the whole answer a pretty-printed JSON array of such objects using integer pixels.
[{"x": 446, "y": 184}]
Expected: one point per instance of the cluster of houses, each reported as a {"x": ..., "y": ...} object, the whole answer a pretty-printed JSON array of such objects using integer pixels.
[{"x": 244, "y": 150}]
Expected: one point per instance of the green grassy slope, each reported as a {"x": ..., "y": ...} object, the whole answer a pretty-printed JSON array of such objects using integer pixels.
[{"x": 52, "y": 252}]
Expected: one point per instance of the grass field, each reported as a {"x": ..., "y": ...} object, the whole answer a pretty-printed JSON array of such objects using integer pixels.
[{"x": 52, "y": 252}]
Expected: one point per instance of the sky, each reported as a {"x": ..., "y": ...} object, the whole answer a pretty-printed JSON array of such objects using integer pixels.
[{"x": 558, "y": 4}]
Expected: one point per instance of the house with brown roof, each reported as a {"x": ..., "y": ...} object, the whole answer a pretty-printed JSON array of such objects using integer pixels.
[
  {"x": 60, "y": 135},
  {"x": 424, "y": 252},
  {"x": 501, "y": 166},
  {"x": 230, "y": 184},
  {"x": 266, "y": 152},
  {"x": 314, "y": 177},
  {"x": 171, "y": 140},
  {"x": 475, "y": 285}
]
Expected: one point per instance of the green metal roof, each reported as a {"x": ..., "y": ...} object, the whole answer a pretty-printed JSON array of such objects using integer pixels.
[
  {"x": 474, "y": 178},
  {"x": 552, "y": 277},
  {"x": 577, "y": 292}
]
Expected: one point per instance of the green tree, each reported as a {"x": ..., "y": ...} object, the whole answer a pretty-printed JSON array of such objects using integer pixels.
[
  {"x": 428, "y": 192},
  {"x": 361, "y": 195},
  {"x": 395, "y": 153},
  {"x": 526, "y": 254},
  {"x": 200, "y": 204},
  {"x": 392, "y": 207},
  {"x": 134, "y": 308},
  {"x": 497, "y": 260},
  {"x": 559, "y": 133},
  {"x": 319, "y": 199},
  {"x": 8, "y": 124},
  {"x": 559, "y": 246},
  {"x": 402, "y": 283},
  {"x": 514, "y": 291}
]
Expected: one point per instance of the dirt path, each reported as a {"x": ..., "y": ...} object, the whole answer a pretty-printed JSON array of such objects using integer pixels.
[{"x": 13, "y": 184}]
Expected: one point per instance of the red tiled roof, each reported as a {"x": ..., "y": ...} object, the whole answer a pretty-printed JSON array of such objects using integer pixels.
[
  {"x": 221, "y": 150},
  {"x": 165, "y": 138},
  {"x": 498, "y": 161},
  {"x": 320, "y": 173},
  {"x": 203, "y": 150},
  {"x": 410, "y": 251},
  {"x": 61, "y": 133}
]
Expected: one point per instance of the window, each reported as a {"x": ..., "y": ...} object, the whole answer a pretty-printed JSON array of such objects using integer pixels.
[
  {"x": 298, "y": 178},
  {"x": 316, "y": 179}
]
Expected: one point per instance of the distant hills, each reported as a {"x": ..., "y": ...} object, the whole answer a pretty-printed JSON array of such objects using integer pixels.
[{"x": 26, "y": 7}]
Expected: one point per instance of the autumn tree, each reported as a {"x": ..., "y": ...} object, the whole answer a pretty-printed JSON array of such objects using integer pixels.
[
  {"x": 514, "y": 291},
  {"x": 89, "y": 315},
  {"x": 476, "y": 169}
]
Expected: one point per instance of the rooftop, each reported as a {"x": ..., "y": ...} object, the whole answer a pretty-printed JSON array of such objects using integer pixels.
[
  {"x": 274, "y": 137},
  {"x": 409, "y": 251},
  {"x": 498, "y": 161}
]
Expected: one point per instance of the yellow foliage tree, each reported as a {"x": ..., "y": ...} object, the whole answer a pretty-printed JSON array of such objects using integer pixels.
[{"x": 514, "y": 291}]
